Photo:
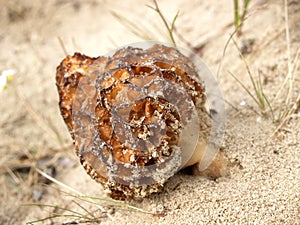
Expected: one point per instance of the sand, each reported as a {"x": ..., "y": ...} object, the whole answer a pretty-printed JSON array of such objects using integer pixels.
[{"x": 263, "y": 181}]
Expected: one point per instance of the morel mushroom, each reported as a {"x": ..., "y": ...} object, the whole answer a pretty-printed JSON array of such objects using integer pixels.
[{"x": 136, "y": 117}]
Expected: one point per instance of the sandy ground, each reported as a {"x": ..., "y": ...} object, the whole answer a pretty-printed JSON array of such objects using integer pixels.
[{"x": 264, "y": 173}]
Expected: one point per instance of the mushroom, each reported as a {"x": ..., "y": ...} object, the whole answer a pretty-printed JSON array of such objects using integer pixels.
[{"x": 136, "y": 118}]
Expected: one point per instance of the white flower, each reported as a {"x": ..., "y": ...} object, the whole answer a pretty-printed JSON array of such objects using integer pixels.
[{"x": 6, "y": 77}]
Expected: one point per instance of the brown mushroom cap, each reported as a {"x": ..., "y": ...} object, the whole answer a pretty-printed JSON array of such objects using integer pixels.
[{"x": 130, "y": 116}]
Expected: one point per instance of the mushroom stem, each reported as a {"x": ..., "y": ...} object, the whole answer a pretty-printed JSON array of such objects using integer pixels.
[{"x": 217, "y": 168}]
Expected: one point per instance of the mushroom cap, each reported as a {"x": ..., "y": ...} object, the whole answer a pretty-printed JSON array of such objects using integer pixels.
[{"x": 135, "y": 117}]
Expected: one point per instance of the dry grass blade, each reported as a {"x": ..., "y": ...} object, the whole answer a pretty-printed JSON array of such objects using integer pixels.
[
  {"x": 288, "y": 115},
  {"x": 88, "y": 221},
  {"x": 224, "y": 52},
  {"x": 12, "y": 174},
  {"x": 40, "y": 121},
  {"x": 289, "y": 72},
  {"x": 245, "y": 88},
  {"x": 68, "y": 188},
  {"x": 84, "y": 209},
  {"x": 62, "y": 45},
  {"x": 246, "y": 17},
  {"x": 289, "y": 77},
  {"x": 272, "y": 38},
  {"x": 288, "y": 108},
  {"x": 90, "y": 200},
  {"x": 288, "y": 48},
  {"x": 145, "y": 34},
  {"x": 74, "y": 213},
  {"x": 118, "y": 203},
  {"x": 133, "y": 27}
]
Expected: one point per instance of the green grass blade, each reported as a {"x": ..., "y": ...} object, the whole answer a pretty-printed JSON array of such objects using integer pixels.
[
  {"x": 169, "y": 29},
  {"x": 173, "y": 22},
  {"x": 236, "y": 14},
  {"x": 245, "y": 10}
]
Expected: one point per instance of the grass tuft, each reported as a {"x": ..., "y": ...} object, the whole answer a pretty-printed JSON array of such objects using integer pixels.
[
  {"x": 142, "y": 31},
  {"x": 259, "y": 96},
  {"x": 291, "y": 105},
  {"x": 239, "y": 18}
]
